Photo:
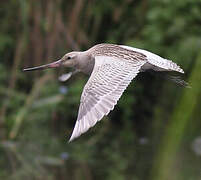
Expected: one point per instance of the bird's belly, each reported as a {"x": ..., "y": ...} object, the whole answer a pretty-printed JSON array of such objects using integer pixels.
[{"x": 145, "y": 67}]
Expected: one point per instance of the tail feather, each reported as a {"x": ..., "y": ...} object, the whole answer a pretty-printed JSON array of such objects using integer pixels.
[{"x": 178, "y": 80}]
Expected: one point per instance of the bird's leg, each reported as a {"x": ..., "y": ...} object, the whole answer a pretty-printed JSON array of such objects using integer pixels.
[{"x": 67, "y": 76}]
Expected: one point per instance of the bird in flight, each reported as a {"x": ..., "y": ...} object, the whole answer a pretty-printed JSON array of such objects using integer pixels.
[{"x": 111, "y": 68}]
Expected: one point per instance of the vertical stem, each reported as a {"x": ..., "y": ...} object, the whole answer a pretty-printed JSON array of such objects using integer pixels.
[
  {"x": 75, "y": 16},
  {"x": 166, "y": 159},
  {"x": 22, "y": 112},
  {"x": 13, "y": 77}
]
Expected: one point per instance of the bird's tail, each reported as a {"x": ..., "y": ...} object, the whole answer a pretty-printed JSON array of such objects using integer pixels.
[{"x": 176, "y": 79}]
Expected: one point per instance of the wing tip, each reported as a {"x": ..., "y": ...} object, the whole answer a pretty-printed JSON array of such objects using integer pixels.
[
  {"x": 71, "y": 139},
  {"x": 74, "y": 135},
  {"x": 76, "y": 132},
  {"x": 178, "y": 69},
  {"x": 80, "y": 128},
  {"x": 181, "y": 71}
]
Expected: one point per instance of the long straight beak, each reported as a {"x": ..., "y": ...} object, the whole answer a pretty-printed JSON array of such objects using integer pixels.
[{"x": 51, "y": 65}]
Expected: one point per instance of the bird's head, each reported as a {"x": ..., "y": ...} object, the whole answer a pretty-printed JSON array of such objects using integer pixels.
[{"x": 68, "y": 60}]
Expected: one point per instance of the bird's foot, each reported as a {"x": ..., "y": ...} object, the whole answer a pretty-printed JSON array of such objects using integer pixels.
[{"x": 65, "y": 77}]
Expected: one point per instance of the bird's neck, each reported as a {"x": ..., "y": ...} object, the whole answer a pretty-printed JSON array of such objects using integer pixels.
[{"x": 85, "y": 62}]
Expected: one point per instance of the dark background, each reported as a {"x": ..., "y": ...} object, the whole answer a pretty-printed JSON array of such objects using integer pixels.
[{"x": 155, "y": 130}]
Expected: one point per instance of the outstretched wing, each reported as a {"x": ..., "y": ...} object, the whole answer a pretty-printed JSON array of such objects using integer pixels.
[
  {"x": 109, "y": 79},
  {"x": 156, "y": 60}
]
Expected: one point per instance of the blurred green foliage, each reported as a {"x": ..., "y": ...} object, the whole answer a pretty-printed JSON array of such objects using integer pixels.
[{"x": 153, "y": 132}]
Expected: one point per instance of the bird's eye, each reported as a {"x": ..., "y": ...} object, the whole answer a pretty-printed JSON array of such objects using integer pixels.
[{"x": 68, "y": 57}]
